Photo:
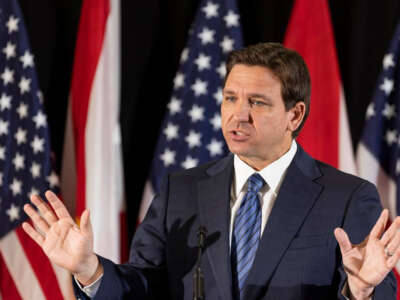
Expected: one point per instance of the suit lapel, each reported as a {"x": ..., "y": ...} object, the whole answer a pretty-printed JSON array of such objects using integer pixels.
[
  {"x": 295, "y": 199},
  {"x": 214, "y": 198}
]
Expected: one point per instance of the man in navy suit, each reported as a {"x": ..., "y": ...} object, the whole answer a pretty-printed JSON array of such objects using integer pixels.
[{"x": 300, "y": 212}]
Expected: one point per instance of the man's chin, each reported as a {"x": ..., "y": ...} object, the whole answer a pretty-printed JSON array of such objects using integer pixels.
[
  {"x": 239, "y": 148},
  {"x": 240, "y": 152}
]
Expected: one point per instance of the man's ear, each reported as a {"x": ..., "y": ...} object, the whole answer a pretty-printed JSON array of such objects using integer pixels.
[{"x": 296, "y": 115}]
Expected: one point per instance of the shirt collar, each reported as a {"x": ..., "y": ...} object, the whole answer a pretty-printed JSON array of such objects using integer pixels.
[{"x": 272, "y": 174}]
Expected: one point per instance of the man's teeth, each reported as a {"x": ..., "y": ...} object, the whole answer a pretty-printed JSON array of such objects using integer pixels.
[{"x": 239, "y": 133}]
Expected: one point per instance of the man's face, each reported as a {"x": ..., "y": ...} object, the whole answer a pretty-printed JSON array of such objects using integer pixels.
[{"x": 255, "y": 123}]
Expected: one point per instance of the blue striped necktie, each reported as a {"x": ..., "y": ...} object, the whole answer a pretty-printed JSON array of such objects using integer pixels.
[{"x": 246, "y": 234}]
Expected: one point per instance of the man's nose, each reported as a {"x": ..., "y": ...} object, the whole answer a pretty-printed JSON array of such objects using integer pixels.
[{"x": 242, "y": 111}]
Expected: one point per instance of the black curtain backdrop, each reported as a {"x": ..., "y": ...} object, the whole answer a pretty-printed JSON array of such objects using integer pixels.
[{"x": 153, "y": 34}]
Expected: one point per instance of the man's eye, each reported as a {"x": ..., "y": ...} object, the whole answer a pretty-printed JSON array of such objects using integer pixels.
[
  {"x": 256, "y": 102},
  {"x": 230, "y": 98}
]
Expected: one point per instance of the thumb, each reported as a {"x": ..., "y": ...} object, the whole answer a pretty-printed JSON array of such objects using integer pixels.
[
  {"x": 343, "y": 240},
  {"x": 86, "y": 225}
]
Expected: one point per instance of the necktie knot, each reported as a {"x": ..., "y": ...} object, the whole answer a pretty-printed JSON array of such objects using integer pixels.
[{"x": 255, "y": 183}]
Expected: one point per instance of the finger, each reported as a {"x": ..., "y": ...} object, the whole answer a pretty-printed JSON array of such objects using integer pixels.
[
  {"x": 343, "y": 240},
  {"x": 36, "y": 236},
  {"x": 391, "y": 231},
  {"x": 44, "y": 209},
  {"x": 380, "y": 225},
  {"x": 392, "y": 261},
  {"x": 86, "y": 225},
  {"x": 39, "y": 222},
  {"x": 393, "y": 244},
  {"x": 59, "y": 208}
]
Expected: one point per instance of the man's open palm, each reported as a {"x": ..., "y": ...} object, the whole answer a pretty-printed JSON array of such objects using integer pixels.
[{"x": 66, "y": 244}]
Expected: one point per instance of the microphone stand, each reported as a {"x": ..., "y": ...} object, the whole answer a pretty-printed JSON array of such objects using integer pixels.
[{"x": 198, "y": 277}]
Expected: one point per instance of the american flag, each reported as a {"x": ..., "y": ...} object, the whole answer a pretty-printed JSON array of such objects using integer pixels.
[
  {"x": 191, "y": 132},
  {"x": 25, "y": 166},
  {"x": 378, "y": 154}
]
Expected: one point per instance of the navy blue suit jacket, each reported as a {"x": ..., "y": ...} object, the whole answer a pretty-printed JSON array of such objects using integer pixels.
[{"x": 298, "y": 256}]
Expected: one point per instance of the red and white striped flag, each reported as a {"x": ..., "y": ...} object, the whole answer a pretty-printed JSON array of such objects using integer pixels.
[
  {"x": 326, "y": 134},
  {"x": 94, "y": 112}
]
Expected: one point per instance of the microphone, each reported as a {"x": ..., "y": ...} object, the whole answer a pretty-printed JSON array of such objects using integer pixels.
[{"x": 198, "y": 278}]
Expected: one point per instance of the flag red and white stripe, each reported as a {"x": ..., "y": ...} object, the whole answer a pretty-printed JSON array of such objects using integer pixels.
[
  {"x": 26, "y": 272},
  {"x": 96, "y": 138},
  {"x": 326, "y": 134},
  {"x": 369, "y": 168}
]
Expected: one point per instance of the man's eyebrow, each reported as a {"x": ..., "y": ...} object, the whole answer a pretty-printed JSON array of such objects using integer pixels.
[
  {"x": 256, "y": 95},
  {"x": 230, "y": 92},
  {"x": 253, "y": 95}
]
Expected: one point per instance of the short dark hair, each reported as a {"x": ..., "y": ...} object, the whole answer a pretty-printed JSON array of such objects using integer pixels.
[{"x": 285, "y": 64}]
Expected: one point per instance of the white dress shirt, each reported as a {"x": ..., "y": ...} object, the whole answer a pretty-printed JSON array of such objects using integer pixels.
[{"x": 273, "y": 175}]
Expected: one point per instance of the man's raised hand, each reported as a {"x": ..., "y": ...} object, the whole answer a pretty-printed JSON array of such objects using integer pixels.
[
  {"x": 64, "y": 242},
  {"x": 368, "y": 263}
]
